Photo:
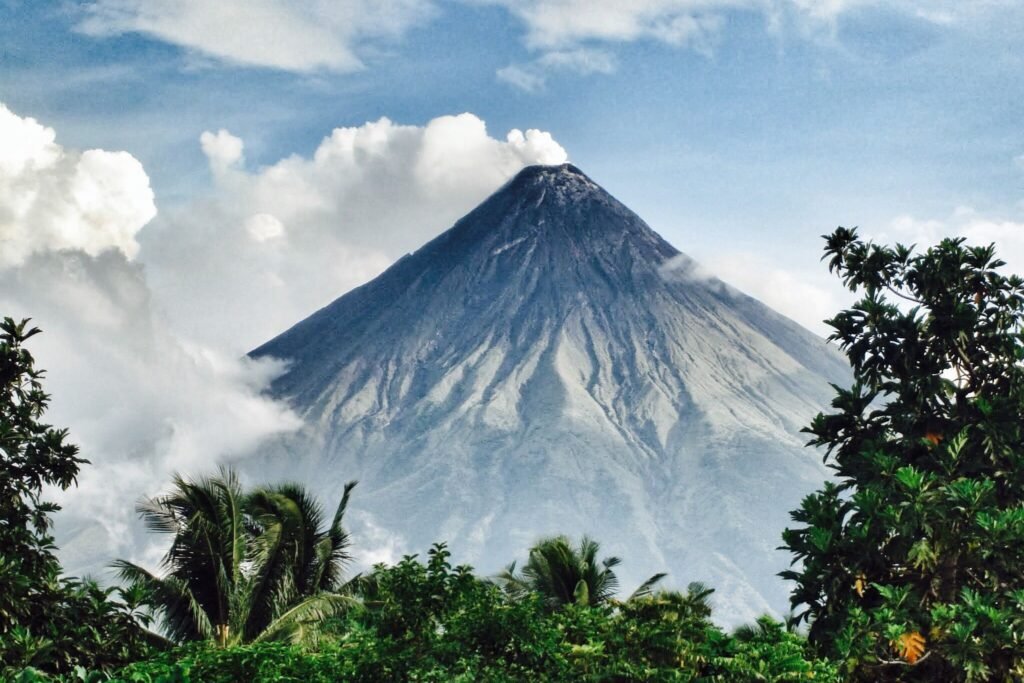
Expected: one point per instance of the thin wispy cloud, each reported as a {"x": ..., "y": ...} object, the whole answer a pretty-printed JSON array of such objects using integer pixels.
[
  {"x": 533, "y": 76},
  {"x": 560, "y": 24},
  {"x": 568, "y": 27},
  {"x": 276, "y": 34}
]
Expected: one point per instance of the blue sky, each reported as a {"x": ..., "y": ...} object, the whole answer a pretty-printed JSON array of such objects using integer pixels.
[
  {"x": 876, "y": 108},
  {"x": 181, "y": 181},
  {"x": 766, "y": 135}
]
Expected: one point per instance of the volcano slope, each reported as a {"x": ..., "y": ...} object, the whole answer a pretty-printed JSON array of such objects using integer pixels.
[{"x": 551, "y": 365}]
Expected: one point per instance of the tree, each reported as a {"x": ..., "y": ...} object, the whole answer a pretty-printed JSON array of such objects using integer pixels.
[
  {"x": 911, "y": 561},
  {"x": 293, "y": 550},
  {"x": 290, "y": 538},
  {"x": 243, "y": 567},
  {"x": 566, "y": 575},
  {"x": 46, "y": 620}
]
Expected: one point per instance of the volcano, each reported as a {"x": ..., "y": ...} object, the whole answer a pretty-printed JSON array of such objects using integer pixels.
[{"x": 551, "y": 365}]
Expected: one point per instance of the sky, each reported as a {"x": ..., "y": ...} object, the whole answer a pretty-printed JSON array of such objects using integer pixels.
[{"x": 181, "y": 181}]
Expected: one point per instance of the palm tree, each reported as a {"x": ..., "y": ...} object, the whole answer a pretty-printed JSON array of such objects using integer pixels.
[
  {"x": 695, "y": 603},
  {"x": 242, "y": 567},
  {"x": 297, "y": 563},
  {"x": 563, "y": 574}
]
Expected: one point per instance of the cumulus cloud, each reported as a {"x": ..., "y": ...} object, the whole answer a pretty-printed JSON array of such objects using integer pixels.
[
  {"x": 140, "y": 400},
  {"x": 377, "y": 544},
  {"x": 54, "y": 198},
  {"x": 262, "y": 227},
  {"x": 266, "y": 248},
  {"x": 292, "y": 36},
  {"x": 144, "y": 341}
]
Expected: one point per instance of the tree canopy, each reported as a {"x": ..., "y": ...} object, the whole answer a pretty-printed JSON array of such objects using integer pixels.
[
  {"x": 910, "y": 562},
  {"x": 46, "y": 620}
]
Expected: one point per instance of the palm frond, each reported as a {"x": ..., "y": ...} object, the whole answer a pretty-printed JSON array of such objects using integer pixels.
[
  {"x": 184, "y": 618},
  {"x": 334, "y": 551},
  {"x": 514, "y": 585},
  {"x": 647, "y": 587},
  {"x": 303, "y": 620}
]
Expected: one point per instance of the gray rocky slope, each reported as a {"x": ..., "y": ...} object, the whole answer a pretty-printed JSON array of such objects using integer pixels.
[{"x": 550, "y": 364}]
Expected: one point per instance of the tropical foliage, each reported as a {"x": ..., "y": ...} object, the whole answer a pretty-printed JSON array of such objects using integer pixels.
[
  {"x": 562, "y": 574},
  {"x": 430, "y": 621},
  {"x": 911, "y": 562},
  {"x": 243, "y": 567}
]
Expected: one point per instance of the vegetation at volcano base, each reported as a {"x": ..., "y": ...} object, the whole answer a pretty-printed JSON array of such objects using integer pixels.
[{"x": 908, "y": 565}]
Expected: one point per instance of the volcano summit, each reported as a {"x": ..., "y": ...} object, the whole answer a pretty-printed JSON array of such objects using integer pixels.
[{"x": 551, "y": 365}]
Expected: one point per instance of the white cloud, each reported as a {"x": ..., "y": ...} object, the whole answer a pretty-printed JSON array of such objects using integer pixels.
[
  {"x": 55, "y": 198},
  {"x": 934, "y": 11},
  {"x": 580, "y": 61},
  {"x": 810, "y": 296},
  {"x": 523, "y": 77},
  {"x": 558, "y": 24},
  {"x": 140, "y": 400},
  {"x": 293, "y": 36},
  {"x": 279, "y": 242},
  {"x": 144, "y": 356},
  {"x": 222, "y": 149},
  {"x": 376, "y": 544}
]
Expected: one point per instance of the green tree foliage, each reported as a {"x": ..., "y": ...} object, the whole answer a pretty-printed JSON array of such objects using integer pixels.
[
  {"x": 435, "y": 622},
  {"x": 46, "y": 620},
  {"x": 562, "y": 574},
  {"x": 912, "y": 559},
  {"x": 243, "y": 567},
  {"x": 430, "y": 621}
]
